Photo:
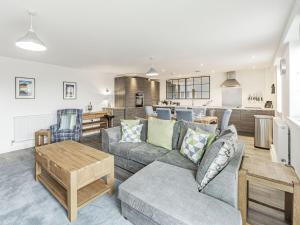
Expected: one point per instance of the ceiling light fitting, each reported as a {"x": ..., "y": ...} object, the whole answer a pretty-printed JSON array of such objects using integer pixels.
[
  {"x": 30, "y": 40},
  {"x": 152, "y": 72}
]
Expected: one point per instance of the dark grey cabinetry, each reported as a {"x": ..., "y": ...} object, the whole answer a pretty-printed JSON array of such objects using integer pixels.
[
  {"x": 132, "y": 113},
  {"x": 127, "y": 87},
  {"x": 243, "y": 119},
  {"x": 118, "y": 113},
  {"x": 128, "y": 113}
]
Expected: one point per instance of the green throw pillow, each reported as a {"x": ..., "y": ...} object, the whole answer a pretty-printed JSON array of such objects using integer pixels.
[
  {"x": 193, "y": 145},
  {"x": 211, "y": 137},
  {"x": 160, "y": 132}
]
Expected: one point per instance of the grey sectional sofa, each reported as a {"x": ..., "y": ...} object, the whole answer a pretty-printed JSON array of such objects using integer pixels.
[{"x": 163, "y": 189}]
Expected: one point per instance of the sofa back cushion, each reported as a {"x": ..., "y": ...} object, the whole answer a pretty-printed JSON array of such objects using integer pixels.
[
  {"x": 216, "y": 158},
  {"x": 210, "y": 128},
  {"x": 160, "y": 132},
  {"x": 144, "y": 129},
  {"x": 225, "y": 185}
]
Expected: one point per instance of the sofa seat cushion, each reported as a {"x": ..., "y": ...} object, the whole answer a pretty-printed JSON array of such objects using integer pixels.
[
  {"x": 146, "y": 153},
  {"x": 128, "y": 164},
  {"x": 122, "y": 148},
  {"x": 175, "y": 158},
  {"x": 168, "y": 195}
]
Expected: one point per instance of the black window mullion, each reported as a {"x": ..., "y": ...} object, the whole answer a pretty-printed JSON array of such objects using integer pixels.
[{"x": 195, "y": 81}]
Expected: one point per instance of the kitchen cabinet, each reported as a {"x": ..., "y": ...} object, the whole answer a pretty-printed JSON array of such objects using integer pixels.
[
  {"x": 243, "y": 119},
  {"x": 126, "y": 89},
  {"x": 128, "y": 113}
]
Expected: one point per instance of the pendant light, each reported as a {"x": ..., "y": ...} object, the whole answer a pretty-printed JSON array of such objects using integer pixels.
[
  {"x": 30, "y": 40},
  {"x": 152, "y": 72}
]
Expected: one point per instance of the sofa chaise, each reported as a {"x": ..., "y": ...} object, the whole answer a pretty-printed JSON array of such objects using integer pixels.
[{"x": 163, "y": 189}]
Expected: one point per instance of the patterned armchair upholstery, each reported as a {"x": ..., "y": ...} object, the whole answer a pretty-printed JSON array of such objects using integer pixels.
[{"x": 67, "y": 134}]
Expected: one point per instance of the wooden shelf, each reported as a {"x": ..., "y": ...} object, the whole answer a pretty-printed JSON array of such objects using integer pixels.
[
  {"x": 90, "y": 123},
  {"x": 93, "y": 122},
  {"x": 84, "y": 195},
  {"x": 91, "y": 129}
]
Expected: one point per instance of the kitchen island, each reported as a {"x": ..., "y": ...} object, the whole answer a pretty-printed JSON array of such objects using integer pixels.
[{"x": 242, "y": 118}]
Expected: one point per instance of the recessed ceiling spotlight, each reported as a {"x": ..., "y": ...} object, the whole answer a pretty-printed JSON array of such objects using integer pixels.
[
  {"x": 213, "y": 71},
  {"x": 201, "y": 64},
  {"x": 253, "y": 57}
]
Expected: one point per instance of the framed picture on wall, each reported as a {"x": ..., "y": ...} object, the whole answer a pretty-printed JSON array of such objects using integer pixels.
[
  {"x": 70, "y": 90},
  {"x": 24, "y": 88}
]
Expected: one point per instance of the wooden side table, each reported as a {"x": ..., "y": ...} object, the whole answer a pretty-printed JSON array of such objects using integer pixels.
[
  {"x": 271, "y": 175},
  {"x": 40, "y": 137}
]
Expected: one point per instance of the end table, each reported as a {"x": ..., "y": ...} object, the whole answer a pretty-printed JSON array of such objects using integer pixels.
[{"x": 40, "y": 137}]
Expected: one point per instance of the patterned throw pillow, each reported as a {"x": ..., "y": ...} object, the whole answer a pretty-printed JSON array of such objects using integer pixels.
[
  {"x": 223, "y": 157},
  {"x": 68, "y": 121},
  {"x": 131, "y": 133},
  {"x": 130, "y": 123},
  {"x": 211, "y": 137},
  {"x": 193, "y": 145}
]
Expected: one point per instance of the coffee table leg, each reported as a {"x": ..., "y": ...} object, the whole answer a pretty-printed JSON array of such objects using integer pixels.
[
  {"x": 38, "y": 170},
  {"x": 243, "y": 195},
  {"x": 72, "y": 197},
  {"x": 296, "y": 203},
  {"x": 288, "y": 206},
  {"x": 109, "y": 180}
]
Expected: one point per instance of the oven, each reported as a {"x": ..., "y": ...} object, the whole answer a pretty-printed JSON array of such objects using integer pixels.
[{"x": 139, "y": 99}]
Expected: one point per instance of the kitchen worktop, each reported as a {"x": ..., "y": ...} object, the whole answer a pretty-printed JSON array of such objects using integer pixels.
[{"x": 215, "y": 107}]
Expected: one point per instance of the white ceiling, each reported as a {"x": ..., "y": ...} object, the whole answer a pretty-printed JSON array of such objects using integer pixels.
[{"x": 119, "y": 36}]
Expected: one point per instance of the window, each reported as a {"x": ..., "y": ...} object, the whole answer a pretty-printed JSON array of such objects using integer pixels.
[
  {"x": 279, "y": 91},
  {"x": 188, "y": 88},
  {"x": 294, "y": 79}
]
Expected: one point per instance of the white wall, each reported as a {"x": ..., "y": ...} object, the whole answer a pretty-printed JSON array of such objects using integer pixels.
[
  {"x": 252, "y": 81},
  {"x": 294, "y": 125},
  {"x": 49, "y": 91},
  {"x": 290, "y": 99}
]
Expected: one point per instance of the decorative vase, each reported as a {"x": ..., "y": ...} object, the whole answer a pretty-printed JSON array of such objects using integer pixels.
[{"x": 90, "y": 107}]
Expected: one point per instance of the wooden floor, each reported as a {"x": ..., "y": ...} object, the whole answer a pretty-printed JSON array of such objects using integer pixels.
[{"x": 257, "y": 214}]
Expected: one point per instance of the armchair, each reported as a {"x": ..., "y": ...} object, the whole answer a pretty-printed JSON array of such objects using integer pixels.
[{"x": 60, "y": 134}]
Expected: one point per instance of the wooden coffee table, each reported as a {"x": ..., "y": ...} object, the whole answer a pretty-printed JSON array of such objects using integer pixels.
[{"x": 74, "y": 173}]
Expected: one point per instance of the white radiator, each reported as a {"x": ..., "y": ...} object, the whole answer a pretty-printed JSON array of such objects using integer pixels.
[
  {"x": 26, "y": 126},
  {"x": 280, "y": 148}
]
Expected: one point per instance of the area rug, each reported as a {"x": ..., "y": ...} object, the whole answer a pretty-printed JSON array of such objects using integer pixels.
[{"x": 23, "y": 201}]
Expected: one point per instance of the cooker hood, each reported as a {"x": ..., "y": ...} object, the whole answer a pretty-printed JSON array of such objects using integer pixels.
[{"x": 231, "y": 80}]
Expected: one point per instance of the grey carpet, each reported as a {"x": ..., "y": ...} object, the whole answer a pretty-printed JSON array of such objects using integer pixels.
[{"x": 23, "y": 201}]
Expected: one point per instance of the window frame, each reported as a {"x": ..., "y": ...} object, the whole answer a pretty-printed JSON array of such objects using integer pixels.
[{"x": 175, "y": 94}]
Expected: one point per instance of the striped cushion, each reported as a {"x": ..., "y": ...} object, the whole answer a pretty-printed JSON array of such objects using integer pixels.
[{"x": 68, "y": 121}]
